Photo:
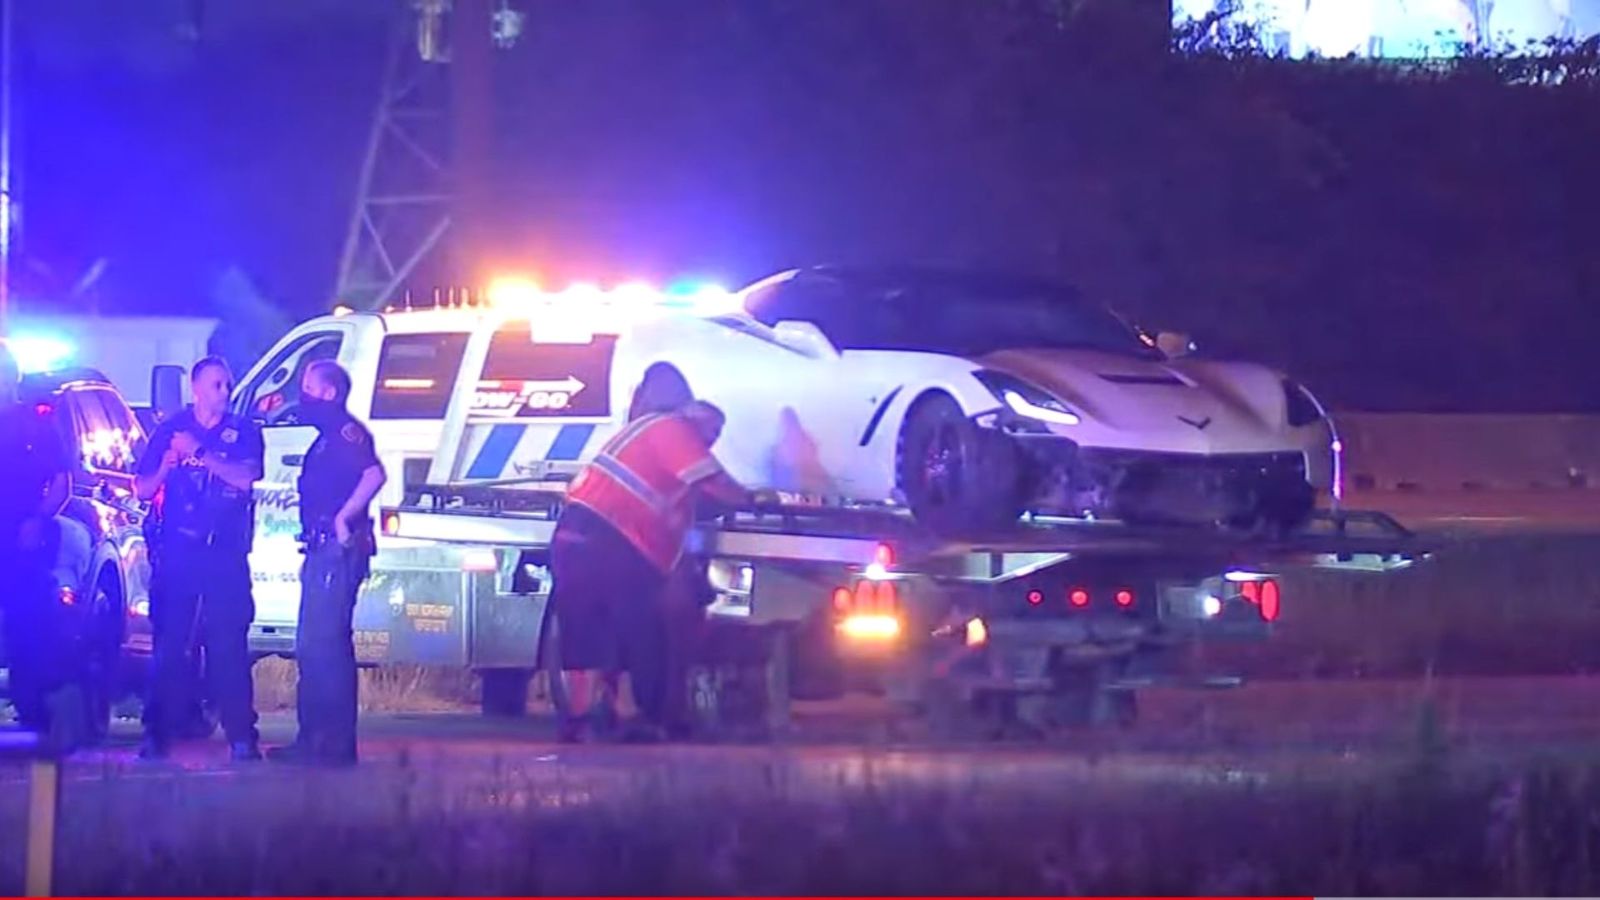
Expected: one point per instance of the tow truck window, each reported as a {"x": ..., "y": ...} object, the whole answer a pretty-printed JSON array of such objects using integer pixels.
[
  {"x": 272, "y": 397},
  {"x": 523, "y": 379},
  {"x": 416, "y": 375}
]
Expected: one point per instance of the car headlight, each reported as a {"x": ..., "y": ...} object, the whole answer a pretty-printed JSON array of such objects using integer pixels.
[
  {"x": 1026, "y": 400},
  {"x": 1302, "y": 409}
]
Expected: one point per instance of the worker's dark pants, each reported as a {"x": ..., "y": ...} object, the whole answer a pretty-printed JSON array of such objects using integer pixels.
[
  {"x": 325, "y": 697},
  {"x": 201, "y": 596},
  {"x": 608, "y": 599},
  {"x": 37, "y": 644}
]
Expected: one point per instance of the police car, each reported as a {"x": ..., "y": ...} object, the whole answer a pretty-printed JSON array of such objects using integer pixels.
[{"x": 100, "y": 567}]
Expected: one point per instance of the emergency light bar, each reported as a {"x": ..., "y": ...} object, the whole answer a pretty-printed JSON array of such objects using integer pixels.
[{"x": 518, "y": 294}]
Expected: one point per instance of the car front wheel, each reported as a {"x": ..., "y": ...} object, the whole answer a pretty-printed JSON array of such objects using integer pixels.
[{"x": 959, "y": 479}]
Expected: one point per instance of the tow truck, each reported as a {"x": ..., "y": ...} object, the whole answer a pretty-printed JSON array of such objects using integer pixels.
[{"x": 1059, "y": 618}]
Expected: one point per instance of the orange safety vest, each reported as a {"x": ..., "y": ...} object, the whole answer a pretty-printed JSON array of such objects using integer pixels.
[{"x": 640, "y": 483}]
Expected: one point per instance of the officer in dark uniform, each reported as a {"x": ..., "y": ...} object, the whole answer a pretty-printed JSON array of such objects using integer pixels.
[
  {"x": 205, "y": 461},
  {"x": 341, "y": 476}
]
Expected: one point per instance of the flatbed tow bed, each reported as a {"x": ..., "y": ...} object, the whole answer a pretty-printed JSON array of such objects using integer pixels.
[{"x": 1070, "y": 614}]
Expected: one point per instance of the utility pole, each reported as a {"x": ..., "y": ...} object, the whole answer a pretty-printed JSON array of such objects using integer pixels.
[
  {"x": 421, "y": 174},
  {"x": 7, "y": 208}
]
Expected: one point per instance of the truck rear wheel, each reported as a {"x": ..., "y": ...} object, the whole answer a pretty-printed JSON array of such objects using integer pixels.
[
  {"x": 505, "y": 692},
  {"x": 555, "y": 679}
]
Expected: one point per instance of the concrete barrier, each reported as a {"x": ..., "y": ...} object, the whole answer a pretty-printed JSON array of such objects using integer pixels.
[{"x": 1413, "y": 453}]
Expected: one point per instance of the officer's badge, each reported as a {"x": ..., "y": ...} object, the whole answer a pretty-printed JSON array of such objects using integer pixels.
[
  {"x": 230, "y": 435},
  {"x": 351, "y": 433}
]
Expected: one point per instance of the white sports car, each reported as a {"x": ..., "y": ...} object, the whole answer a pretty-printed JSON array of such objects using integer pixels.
[{"x": 973, "y": 399}]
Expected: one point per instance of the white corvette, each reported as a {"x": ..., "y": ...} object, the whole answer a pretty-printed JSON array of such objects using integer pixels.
[{"x": 973, "y": 399}]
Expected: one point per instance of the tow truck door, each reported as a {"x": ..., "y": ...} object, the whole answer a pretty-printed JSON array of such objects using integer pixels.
[{"x": 270, "y": 396}]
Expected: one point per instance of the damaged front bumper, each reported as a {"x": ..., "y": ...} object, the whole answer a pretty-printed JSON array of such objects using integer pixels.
[{"x": 1231, "y": 489}]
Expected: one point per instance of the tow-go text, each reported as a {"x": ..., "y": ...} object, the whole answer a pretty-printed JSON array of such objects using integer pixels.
[{"x": 507, "y": 399}]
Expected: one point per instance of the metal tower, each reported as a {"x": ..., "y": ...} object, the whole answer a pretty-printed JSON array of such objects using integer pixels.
[{"x": 421, "y": 174}]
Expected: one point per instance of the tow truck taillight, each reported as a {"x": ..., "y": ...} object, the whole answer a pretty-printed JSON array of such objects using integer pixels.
[
  {"x": 1124, "y": 598},
  {"x": 1035, "y": 597},
  {"x": 1079, "y": 597},
  {"x": 1271, "y": 601},
  {"x": 871, "y": 611},
  {"x": 1265, "y": 595}
]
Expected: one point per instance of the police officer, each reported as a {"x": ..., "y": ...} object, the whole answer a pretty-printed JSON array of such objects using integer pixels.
[
  {"x": 33, "y": 489},
  {"x": 204, "y": 461},
  {"x": 341, "y": 476}
]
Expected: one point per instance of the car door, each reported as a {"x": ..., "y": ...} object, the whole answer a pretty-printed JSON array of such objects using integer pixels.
[
  {"x": 115, "y": 442},
  {"x": 825, "y": 397},
  {"x": 104, "y": 449},
  {"x": 270, "y": 397}
]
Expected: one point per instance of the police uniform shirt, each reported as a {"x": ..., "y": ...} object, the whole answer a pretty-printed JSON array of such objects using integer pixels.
[
  {"x": 342, "y": 451},
  {"x": 198, "y": 504},
  {"x": 31, "y": 453}
]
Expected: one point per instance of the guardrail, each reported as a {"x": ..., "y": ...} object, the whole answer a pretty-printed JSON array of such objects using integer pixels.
[
  {"x": 44, "y": 803},
  {"x": 1423, "y": 453}
]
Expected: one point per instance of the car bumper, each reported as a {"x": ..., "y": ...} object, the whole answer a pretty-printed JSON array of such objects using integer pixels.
[{"x": 1168, "y": 487}]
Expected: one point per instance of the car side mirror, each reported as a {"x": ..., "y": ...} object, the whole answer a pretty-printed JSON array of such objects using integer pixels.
[
  {"x": 1174, "y": 344},
  {"x": 166, "y": 391},
  {"x": 804, "y": 337}
]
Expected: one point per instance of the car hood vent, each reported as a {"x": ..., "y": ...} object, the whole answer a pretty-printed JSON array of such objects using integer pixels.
[{"x": 1167, "y": 380}]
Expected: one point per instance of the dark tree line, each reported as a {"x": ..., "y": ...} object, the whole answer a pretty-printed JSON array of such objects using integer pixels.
[{"x": 1401, "y": 236}]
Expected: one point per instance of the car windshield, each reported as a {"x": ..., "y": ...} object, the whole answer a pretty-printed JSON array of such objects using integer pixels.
[{"x": 961, "y": 315}]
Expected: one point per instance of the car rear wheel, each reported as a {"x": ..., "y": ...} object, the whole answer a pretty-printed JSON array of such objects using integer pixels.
[{"x": 959, "y": 479}]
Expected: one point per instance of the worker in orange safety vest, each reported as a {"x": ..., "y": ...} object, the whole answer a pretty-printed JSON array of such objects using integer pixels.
[{"x": 619, "y": 537}]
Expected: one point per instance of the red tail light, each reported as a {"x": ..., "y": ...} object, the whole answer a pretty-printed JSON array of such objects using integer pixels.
[
  {"x": 866, "y": 595},
  {"x": 1035, "y": 597},
  {"x": 1251, "y": 591},
  {"x": 1271, "y": 601},
  {"x": 884, "y": 556},
  {"x": 888, "y": 597},
  {"x": 1124, "y": 598},
  {"x": 841, "y": 599},
  {"x": 1079, "y": 597}
]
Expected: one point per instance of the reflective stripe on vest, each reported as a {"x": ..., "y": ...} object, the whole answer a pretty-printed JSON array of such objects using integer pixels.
[{"x": 637, "y": 483}]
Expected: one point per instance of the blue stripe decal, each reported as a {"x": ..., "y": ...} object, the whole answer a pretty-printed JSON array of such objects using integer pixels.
[
  {"x": 877, "y": 416},
  {"x": 496, "y": 451},
  {"x": 569, "y": 442}
]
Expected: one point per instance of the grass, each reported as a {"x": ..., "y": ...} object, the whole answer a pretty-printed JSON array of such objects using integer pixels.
[
  {"x": 1504, "y": 605},
  {"x": 1419, "y": 824}
]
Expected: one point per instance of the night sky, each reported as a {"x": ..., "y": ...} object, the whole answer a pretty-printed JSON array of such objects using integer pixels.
[{"x": 172, "y": 158}]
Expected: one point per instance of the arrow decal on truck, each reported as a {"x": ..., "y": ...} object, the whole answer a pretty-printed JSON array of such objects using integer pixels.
[{"x": 505, "y": 399}]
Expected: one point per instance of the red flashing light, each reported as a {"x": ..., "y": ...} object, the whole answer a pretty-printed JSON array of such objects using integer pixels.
[
  {"x": 1035, "y": 597},
  {"x": 43, "y": 409},
  {"x": 1124, "y": 598},
  {"x": 884, "y": 556},
  {"x": 888, "y": 597},
  {"x": 841, "y": 599},
  {"x": 1251, "y": 591},
  {"x": 1271, "y": 601},
  {"x": 1079, "y": 597},
  {"x": 866, "y": 596}
]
